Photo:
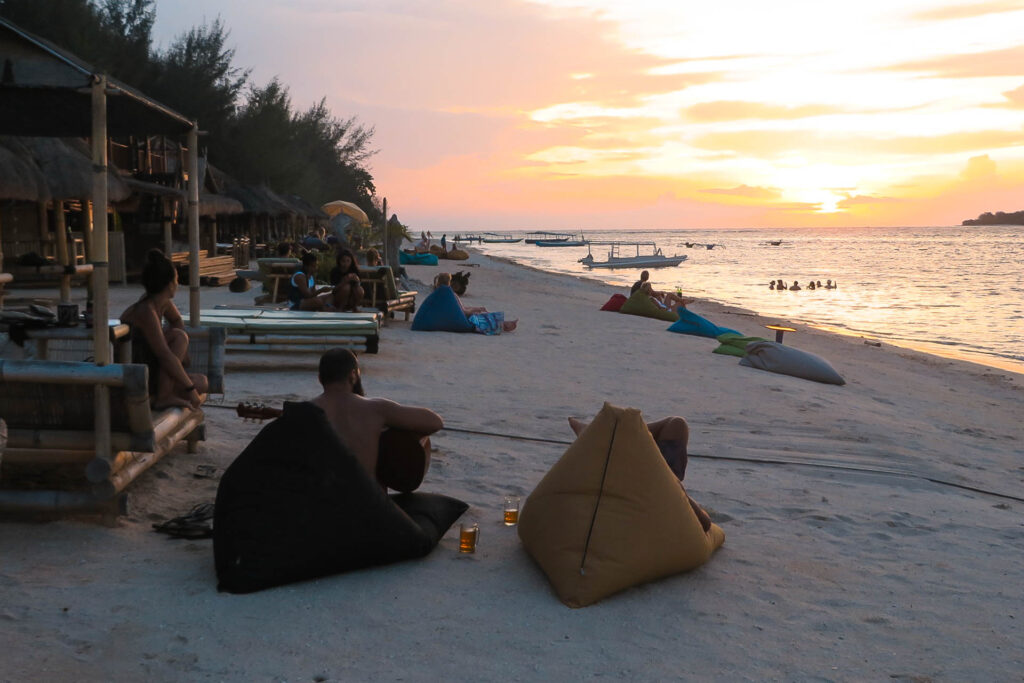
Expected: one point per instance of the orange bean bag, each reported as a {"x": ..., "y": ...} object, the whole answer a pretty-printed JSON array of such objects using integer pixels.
[{"x": 610, "y": 514}]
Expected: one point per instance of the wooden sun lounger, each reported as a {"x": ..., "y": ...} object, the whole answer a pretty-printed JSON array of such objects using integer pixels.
[
  {"x": 270, "y": 330},
  {"x": 69, "y": 448},
  {"x": 382, "y": 293}
]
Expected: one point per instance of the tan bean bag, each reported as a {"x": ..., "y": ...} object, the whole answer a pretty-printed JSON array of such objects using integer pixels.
[{"x": 610, "y": 514}]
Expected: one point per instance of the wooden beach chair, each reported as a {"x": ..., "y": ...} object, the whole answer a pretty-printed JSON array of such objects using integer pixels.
[
  {"x": 272, "y": 272},
  {"x": 382, "y": 293},
  {"x": 73, "y": 447},
  {"x": 292, "y": 331}
]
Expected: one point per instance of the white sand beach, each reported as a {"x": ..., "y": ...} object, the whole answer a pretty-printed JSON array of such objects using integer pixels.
[{"x": 859, "y": 542}]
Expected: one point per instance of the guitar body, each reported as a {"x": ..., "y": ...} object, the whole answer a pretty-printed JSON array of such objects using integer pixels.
[
  {"x": 403, "y": 459},
  {"x": 402, "y": 456}
]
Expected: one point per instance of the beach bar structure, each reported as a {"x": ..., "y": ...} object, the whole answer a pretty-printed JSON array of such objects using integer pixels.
[{"x": 47, "y": 92}]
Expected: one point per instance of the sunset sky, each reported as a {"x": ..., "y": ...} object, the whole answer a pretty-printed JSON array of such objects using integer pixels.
[{"x": 570, "y": 114}]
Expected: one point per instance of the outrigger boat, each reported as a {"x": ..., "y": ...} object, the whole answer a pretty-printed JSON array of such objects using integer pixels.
[
  {"x": 494, "y": 237},
  {"x": 655, "y": 259},
  {"x": 566, "y": 242},
  {"x": 537, "y": 237}
]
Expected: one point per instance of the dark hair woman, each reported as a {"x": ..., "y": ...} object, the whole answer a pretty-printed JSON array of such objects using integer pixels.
[
  {"x": 302, "y": 292},
  {"x": 348, "y": 293},
  {"x": 163, "y": 348}
]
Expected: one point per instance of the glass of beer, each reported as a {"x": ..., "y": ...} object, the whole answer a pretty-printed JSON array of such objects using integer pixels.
[
  {"x": 469, "y": 534},
  {"x": 511, "y": 510}
]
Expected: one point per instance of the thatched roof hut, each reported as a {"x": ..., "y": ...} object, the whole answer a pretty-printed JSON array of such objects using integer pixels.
[
  {"x": 20, "y": 177},
  {"x": 66, "y": 164}
]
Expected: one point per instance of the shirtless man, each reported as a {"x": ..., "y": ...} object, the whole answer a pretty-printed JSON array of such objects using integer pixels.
[{"x": 358, "y": 421}]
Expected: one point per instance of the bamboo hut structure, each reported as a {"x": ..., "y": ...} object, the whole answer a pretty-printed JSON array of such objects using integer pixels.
[{"x": 47, "y": 92}]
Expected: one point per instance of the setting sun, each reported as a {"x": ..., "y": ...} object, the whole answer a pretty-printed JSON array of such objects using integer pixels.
[{"x": 696, "y": 115}]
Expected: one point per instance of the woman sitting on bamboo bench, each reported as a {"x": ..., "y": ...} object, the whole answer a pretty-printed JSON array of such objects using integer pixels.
[{"x": 163, "y": 349}]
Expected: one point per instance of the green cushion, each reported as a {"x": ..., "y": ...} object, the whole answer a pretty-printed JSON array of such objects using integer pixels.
[
  {"x": 732, "y": 344},
  {"x": 641, "y": 304}
]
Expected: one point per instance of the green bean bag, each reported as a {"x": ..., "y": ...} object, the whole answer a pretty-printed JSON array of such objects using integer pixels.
[
  {"x": 734, "y": 344},
  {"x": 610, "y": 514},
  {"x": 641, "y": 304}
]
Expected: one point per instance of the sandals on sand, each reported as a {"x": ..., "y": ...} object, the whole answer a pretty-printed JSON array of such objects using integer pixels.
[{"x": 196, "y": 524}]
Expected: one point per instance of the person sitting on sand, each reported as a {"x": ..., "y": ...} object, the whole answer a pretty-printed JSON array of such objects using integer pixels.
[
  {"x": 795, "y": 287},
  {"x": 644, "y": 277},
  {"x": 357, "y": 420},
  {"x": 445, "y": 280},
  {"x": 163, "y": 349},
  {"x": 347, "y": 293},
  {"x": 302, "y": 291},
  {"x": 424, "y": 244},
  {"x": 671, "y": 434}
]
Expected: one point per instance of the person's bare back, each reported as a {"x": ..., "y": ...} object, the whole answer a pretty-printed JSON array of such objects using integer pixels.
[{"x": 358, "y": 421}]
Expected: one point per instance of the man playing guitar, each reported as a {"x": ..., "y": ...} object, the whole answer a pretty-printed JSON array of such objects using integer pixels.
[{"x": 359, "y": 421}]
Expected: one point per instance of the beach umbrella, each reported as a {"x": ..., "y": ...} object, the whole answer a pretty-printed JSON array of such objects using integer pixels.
[{"x": 348, "y": 208}]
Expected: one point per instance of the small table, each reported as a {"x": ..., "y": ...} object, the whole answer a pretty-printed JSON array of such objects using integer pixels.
[{"x": 779, "y": 331}]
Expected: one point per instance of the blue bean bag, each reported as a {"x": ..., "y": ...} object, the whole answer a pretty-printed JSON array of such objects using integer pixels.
[
  {"x": 691, "y": 323},
  {"x": 417, "y": 259},
  {"x": 441, "y": 312},
  {"x": 786, "y": 360}
]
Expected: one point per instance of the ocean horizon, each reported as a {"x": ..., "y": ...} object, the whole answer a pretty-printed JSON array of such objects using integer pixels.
[{"x": 954, "y": 291}]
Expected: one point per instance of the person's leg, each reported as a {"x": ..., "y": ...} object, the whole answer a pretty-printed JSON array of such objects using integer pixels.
[
  {"x": 355, "y": 298},
  {"x": 313, "y": 303},
  {"x": 169, "y": 392}
]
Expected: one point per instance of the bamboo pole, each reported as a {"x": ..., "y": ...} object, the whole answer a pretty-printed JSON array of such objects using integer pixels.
[
  {"x": 100, "y": 277},
  {"x": 193, "y": 224},
  {"x": 63, "y": 257},
  {"x": 387, "y": 252}
]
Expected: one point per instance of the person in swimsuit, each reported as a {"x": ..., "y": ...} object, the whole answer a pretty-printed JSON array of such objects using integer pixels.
[
  {"x": 671, "y": 434},
  {"x": 163, "y": 348},
  {"x": 302, "y": 290}
]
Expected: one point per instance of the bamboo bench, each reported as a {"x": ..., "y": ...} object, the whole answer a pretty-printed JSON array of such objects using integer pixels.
[
  {"x": 292, "y": 331},
  {"x": 79, "y": 433}
]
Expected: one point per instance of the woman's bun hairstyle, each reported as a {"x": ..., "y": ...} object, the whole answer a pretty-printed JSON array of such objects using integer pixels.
[{"x": 157, "y": 273}]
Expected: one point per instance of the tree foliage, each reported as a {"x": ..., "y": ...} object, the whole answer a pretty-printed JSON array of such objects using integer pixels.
[{"x": 252, "y": 131}]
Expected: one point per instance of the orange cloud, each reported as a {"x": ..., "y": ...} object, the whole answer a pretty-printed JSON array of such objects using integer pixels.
[
  {"x": 969, "y": 11},
  {"x": 746, "y": 191},
  {"x": 1006, "y": 62},
  {"x": 773, "y": 143},
  {"x": 712, "y": 112}
]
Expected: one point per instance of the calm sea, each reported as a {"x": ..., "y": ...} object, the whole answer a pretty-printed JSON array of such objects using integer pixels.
[{"x": 953, "y": 291}]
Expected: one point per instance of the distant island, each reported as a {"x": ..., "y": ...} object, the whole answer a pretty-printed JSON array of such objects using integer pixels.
[{"x": 997, "y": 218}]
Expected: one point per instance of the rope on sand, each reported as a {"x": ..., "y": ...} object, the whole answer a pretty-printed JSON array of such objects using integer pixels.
[
  {"x": 771, "y": 461},
  {"x": 737, "y": 458}
]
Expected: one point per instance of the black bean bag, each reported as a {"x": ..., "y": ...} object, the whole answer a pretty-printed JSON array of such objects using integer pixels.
[{"x": 296, "y": 505}]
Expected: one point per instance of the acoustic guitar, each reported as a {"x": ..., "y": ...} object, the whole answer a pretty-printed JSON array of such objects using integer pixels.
[{"x": 403, "y": 457}]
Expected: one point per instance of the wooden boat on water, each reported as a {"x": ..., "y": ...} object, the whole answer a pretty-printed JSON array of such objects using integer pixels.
[
  {"x": 499, "y": 238},
  {"x": 616, "y": 259},
  {"x": 569, "y": 241},
  {"x": 537, "y": 237}
]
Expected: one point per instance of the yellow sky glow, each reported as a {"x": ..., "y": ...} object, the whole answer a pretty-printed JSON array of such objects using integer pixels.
[{"x": 673, "y": 113}]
